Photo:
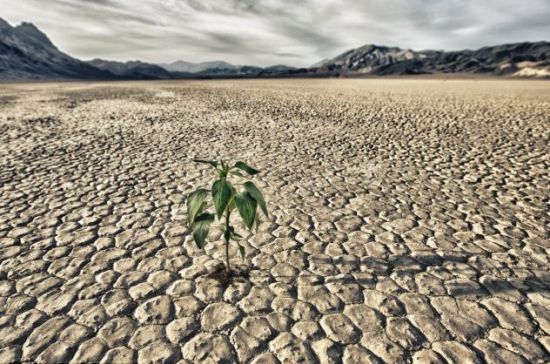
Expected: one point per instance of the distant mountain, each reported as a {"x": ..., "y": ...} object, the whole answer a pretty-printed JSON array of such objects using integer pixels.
[
  {"x": 210, "y": 69},
  {"x": 27, "y": 53},
  {"x": 279, "y": 68},
  {"x": 131, "y": 69},
  {"x": 220, "y": 69},
  {"x": 236, "y": 70},
  {"x": 370, "y": 57},
  {"x": 189, "y": 67},
  {"x": 518, "y": 59}
]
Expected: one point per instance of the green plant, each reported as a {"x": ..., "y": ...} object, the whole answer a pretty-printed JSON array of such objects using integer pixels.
[{"x": 225, "y": 199}]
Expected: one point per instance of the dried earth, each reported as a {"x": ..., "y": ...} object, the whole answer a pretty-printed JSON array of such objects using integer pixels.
[{"x": 409, "y": 222}]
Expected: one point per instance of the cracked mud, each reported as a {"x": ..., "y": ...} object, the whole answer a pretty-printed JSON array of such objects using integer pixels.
[{"x": 409, "y": 222}]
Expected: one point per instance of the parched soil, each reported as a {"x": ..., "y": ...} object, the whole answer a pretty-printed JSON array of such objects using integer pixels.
[{"x": 408, "y": 222}]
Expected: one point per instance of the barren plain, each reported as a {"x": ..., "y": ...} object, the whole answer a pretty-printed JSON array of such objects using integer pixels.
[{"x": 409, "y": 222}]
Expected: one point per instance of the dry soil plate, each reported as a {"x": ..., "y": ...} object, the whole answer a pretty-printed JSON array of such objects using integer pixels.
[{"x": 408, "y": 222}]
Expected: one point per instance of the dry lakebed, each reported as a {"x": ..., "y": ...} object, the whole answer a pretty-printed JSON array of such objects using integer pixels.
[{"x": 409, "y": 222}]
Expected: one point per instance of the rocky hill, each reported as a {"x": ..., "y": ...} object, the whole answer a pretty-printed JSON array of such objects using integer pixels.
[
  {"x": 518, "y": 59},
  {"x": 26, "y": 54}
]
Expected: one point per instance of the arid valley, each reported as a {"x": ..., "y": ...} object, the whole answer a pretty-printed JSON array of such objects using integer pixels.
[{"x": 408, "y": 221}]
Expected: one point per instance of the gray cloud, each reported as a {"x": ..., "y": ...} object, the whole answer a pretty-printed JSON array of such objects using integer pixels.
[{"x": 266, "y": 32}]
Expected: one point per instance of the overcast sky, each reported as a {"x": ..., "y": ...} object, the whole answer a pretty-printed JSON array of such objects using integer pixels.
[{"x": 267, "y": 32}]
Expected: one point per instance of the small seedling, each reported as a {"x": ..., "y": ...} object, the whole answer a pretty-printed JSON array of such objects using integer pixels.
[{"x": 225, "y": 199}]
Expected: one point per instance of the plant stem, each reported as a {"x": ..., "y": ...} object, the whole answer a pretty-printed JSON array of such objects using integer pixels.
[{"x": 227, "y": 237}]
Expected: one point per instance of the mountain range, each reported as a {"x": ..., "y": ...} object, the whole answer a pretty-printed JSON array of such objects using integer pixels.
[
  {"x": 131, "y": 69},
  {"x": 518, "y": 59},
  {"x": 26, "y": 53},
  {"x": 188, "y": 67}
]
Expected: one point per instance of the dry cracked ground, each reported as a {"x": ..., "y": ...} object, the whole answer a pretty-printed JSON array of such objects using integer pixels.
[{"x": 408, "y": 222}]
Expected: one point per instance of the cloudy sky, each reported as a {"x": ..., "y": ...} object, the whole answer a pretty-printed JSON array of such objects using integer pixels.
[{"x": 267, "y": 32}]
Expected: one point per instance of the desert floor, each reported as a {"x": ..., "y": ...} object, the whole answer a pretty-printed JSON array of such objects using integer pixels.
[{"x": 408, "y": 222}]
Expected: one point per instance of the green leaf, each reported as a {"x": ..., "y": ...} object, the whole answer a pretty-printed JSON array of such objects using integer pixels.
[
  {"x": 195, "y": 205},
  {"x": 201, "y": 228},
  {"x": 247, "y": 208},
  {"x": 221, "y": 193},
  {"x": 257, "y": 195},
  {"x": 245, "y": 167},
  {"x": 212, "y": 163},
  {"x": 232, "y": 205},
  {"x": 242, "y": 251}
]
